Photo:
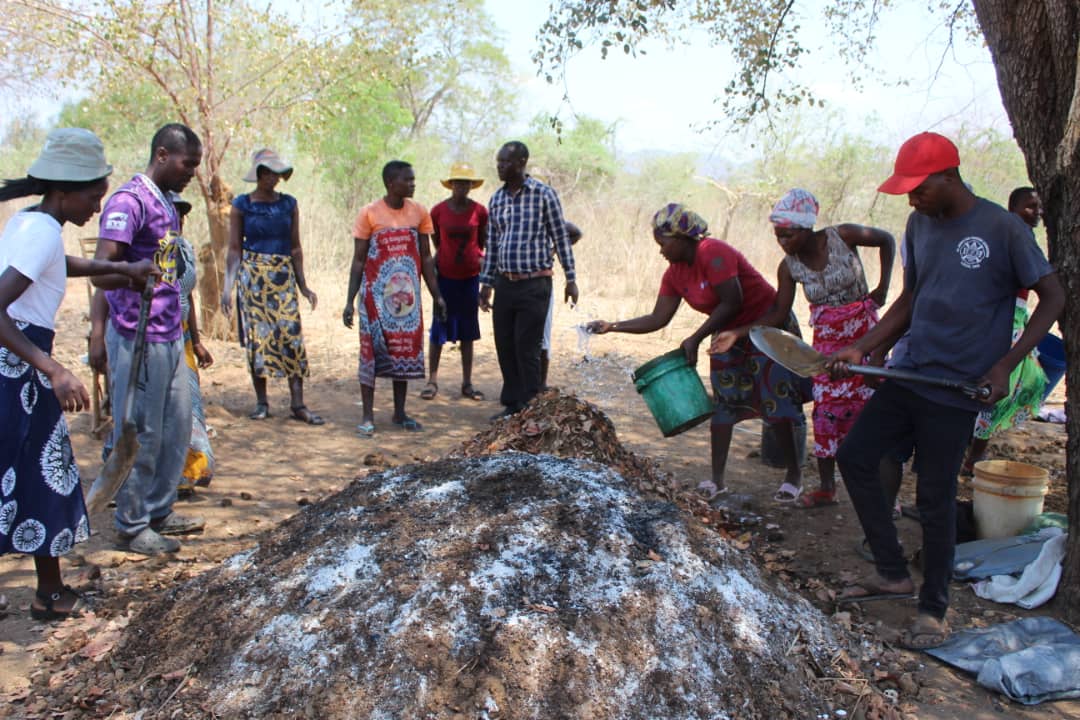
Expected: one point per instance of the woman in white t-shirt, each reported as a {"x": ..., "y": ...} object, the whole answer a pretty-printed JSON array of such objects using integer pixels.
[{"x": 42, "y": 512}]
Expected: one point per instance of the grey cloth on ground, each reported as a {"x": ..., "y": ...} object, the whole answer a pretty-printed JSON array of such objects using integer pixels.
[
  {"x": 963, "y": 275},
  {"x": 1030, "y": 660},
  {"x": 163, "y": 417},
  {"x": 999, "y": 556}
]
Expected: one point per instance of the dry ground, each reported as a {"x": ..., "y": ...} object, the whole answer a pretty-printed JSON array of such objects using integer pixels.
[{"x": 265, "y": 469}]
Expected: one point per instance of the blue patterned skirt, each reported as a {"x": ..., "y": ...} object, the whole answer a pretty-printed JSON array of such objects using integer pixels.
[
  {"x": 747, "y": 384},
  {"x": 41, "y": 501}
]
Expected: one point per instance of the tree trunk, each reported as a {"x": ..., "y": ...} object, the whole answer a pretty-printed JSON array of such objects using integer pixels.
[
  {"x": 212, "y": 261},
  {"x": 1035, "y": 46}
]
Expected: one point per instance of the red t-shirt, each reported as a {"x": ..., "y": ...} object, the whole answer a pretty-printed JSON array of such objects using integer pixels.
[
  {"x": 714, "y": 263},
  {"x": 456, "y": 238}
]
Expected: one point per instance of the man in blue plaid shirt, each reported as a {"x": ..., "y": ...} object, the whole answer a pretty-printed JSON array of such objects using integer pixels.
[{"x": 525, "y": 226}]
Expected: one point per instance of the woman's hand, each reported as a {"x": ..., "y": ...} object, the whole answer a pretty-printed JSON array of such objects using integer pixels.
[
  {"x": 879, "y": 296},
  {"x": 68, "y": 390},
  {"x": 347, "y": 316},
  {"x": 141, "y": 273},
  {"x": 311, "y": 297},
  {"x": 599, "y": 327},
  {"x": 690, "y": 348},
  {"x": 225, "y": 304},
  {"x": 202, "y": 355},
  {"x": 723, "y": 342},
  {"x": 439, "y": 306},
  {"x": 99, "y": 357}
]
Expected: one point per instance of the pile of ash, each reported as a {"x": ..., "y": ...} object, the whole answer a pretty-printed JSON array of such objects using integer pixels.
[{"x": 508, "y": 586}]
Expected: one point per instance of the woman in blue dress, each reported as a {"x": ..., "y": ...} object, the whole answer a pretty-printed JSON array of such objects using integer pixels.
[
  {"x": 265, "y": 265},
  {"x": 42, "y": 512}
]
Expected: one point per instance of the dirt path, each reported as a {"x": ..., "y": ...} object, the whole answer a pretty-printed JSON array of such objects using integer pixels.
[{"x": 266, "y": 469}]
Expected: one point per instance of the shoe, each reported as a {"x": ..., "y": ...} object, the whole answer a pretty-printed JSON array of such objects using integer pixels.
[
  {"x": 176, "y": 524},
  {"x": 49, "y": 612},
  {"x": 147, "y": 542},
  {"x": 304, "y": 415},
  {"x": 261, "y": 412}
]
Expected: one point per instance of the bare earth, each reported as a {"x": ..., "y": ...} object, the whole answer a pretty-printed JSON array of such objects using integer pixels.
[{"x": 267, "y": 469}]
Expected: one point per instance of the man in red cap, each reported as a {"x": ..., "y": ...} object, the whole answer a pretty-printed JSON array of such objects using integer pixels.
[{"x": 967, "y": 257}]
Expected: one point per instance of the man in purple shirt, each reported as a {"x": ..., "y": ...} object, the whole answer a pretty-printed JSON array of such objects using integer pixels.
[{"x": 138, "y": 222}]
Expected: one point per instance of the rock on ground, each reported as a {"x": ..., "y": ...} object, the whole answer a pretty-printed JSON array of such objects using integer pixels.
[{"x": 510, "y": 586}]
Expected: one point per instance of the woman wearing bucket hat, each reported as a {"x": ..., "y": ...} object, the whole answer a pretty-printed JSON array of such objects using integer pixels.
[
  {"x": 265, "y": 265},
  {"x": 715, "y": 279},
  {"x": 460, "y": 235},
  {"x": 42, "y": 512}
]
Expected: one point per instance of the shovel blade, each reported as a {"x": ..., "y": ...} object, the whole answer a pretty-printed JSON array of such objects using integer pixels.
[
  {"x": 788, "y": 350},
  {"x": 116, "y": 470}
]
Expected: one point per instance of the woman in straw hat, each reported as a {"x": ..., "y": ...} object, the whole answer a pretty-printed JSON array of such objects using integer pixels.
[
  {"x": 42, "y": 512},
  {"x": 460, "y": 237},
  {"x": 266, "y": 266}
]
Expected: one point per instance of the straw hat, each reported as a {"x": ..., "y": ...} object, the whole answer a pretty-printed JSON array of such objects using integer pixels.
[
  {"x": 71, "y": 155},
  {"x": 270, "y": 160},
  {"x": 462, "y": 171}
]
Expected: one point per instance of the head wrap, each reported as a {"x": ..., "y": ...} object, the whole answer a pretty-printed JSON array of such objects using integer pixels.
[
  {"x": 677, "y": 219},
  {"x": 797, "y": 209}
]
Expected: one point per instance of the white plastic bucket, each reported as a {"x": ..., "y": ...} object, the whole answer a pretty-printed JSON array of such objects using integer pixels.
[{"x": 1007, "y": 496}]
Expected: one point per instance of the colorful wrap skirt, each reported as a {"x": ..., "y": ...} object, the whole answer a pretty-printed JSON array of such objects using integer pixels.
[
  {"x": 747, "y": 384},
  {"x": 199, "y": 465},
  {"x": 837, "y": 403},
  {"x": 1027, "y": 383},
  {"x": 42, "y": 511},
  {"x": 268, "y": 316}
]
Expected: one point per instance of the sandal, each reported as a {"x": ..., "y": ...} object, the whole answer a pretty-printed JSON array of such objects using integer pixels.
[
  {"x": 472, "y": 393},
  {"x": 261, "y": 412},
  {"x": 49, "y": 612},
  {"x": 304, "y": 415},
  {"x": 408, "y": 425},
  {"x": 924, "y": 633},
  {"x": 872, "y": 588},
  {"x": 430, "y": 391},
  {"x": 366, "y": 429},
  {"x": 787, "y": 494},
  {"x": 817, "y": 498}
]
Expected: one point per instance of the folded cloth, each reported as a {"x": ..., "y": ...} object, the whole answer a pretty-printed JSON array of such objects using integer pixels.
[
  {"x": 1036, "y": 584},
  {"x": 1030, "y": 660},
  {"x": 1051, "y": 415}
]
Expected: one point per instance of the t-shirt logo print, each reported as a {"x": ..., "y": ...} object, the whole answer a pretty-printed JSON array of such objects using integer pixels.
[{"x": 973, "y": 252}]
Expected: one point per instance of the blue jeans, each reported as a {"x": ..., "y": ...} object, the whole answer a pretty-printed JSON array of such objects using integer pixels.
[{"x": 940, "y": 433}]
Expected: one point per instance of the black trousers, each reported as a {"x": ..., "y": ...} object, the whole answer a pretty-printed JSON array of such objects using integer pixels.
[
  {"x": 893, "y": 416},
  {"x": 518, "y": 314}
]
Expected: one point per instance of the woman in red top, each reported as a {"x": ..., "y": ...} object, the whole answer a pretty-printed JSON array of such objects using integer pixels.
[
  {"x": 460, "y": 237},
  {"x": 715, "y": 279}
]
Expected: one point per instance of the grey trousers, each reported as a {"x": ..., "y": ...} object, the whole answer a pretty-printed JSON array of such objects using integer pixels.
[{"x": 163, "y": 416}]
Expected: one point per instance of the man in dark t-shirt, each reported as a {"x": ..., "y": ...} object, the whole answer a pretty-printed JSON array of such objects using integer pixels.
[{"x": 967, "y": 258}]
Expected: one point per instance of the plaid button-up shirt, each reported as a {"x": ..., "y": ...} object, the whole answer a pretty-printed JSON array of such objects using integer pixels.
[{"x": 522, "y": 230}]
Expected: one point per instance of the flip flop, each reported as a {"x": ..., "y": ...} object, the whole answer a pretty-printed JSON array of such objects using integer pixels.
[
  {"x": 816, "y": 499},
  {"x": 472, "y": 393},
  {"x": 408, "y": 425},
  {"x": 787, "y": 494},
  {"x": 304, "y": 415},
  {"x": 366, "y": 429},
  {"x": 924, "y": 633},
  {"x": 870, "y": 589},
  {"x": 430, "y": 391},
  {"x": 49, "y": 613}
]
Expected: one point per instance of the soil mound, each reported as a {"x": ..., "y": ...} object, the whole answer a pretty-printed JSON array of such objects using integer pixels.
[{"x": 510, "y": 586}]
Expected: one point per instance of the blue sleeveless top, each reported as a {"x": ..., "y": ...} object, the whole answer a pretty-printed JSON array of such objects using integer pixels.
[{"x": 267, "y": 225}]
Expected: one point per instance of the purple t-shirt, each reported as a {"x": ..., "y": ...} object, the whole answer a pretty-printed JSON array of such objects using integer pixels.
[{"x": 139, "y": 216}]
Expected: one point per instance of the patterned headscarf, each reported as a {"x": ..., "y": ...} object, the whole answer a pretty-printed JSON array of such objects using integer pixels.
[
  {"x": 797, "y": 209},
  {"x": 676, "y": 219}
]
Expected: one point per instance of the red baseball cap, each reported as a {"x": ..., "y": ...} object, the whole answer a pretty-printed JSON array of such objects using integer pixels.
[{"x": 919, "y": 158}]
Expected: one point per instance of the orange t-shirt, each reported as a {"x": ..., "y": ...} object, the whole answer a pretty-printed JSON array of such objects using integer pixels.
[{"x": 378, "y": 216}]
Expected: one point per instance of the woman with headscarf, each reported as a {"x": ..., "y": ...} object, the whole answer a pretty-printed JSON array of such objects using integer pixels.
[
  {"x": 842, "y": 308},
  {"x": 42, "y": 512},
  {"x": 715, "y": 279},
  {"x": 266, "y": 266}
]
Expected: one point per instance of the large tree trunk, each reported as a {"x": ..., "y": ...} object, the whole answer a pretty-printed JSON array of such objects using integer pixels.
[
  {"x": 212, "y": 260},
  {"x": 1035, "y": 46}
]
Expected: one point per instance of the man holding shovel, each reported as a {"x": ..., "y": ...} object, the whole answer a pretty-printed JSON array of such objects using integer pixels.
[
  {"x": 967, "y": 257},
  {"x": 140, "y": 222}
]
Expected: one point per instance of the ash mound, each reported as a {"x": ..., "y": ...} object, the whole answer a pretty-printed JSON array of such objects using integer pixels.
[{"x": 509, "y": 586}]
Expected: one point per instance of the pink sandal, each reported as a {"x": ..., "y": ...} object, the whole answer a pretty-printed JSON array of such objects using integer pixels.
[{"x": 817, "y": 498}]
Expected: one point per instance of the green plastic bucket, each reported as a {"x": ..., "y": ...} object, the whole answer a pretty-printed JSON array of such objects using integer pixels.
[{"x": 674, "y": 393}]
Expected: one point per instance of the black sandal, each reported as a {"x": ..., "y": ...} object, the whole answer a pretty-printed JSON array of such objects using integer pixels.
[
  {"x": 472, "y": 393},
  {"x": 49, "y": 612},
  {"x": 261, "y": 412},
  {"x": 304, "y": 415}
]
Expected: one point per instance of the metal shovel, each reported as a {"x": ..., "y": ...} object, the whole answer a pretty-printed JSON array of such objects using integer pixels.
[
  {"x": 122, "y": 459},
  {"x": 798, "y": 357}
]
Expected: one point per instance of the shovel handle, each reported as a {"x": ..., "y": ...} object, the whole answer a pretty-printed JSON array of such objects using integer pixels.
[{"x": 976, "y": 392}]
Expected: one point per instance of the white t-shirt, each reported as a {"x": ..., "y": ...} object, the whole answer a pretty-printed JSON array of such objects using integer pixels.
[{"x": 31, "y": 243}]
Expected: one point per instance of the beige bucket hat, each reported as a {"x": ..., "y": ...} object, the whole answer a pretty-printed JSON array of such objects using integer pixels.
[
  {"x": 270, "y": 160},
  {"x": 462, "y": 171},
  {"x": 71, "y": 155}
]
